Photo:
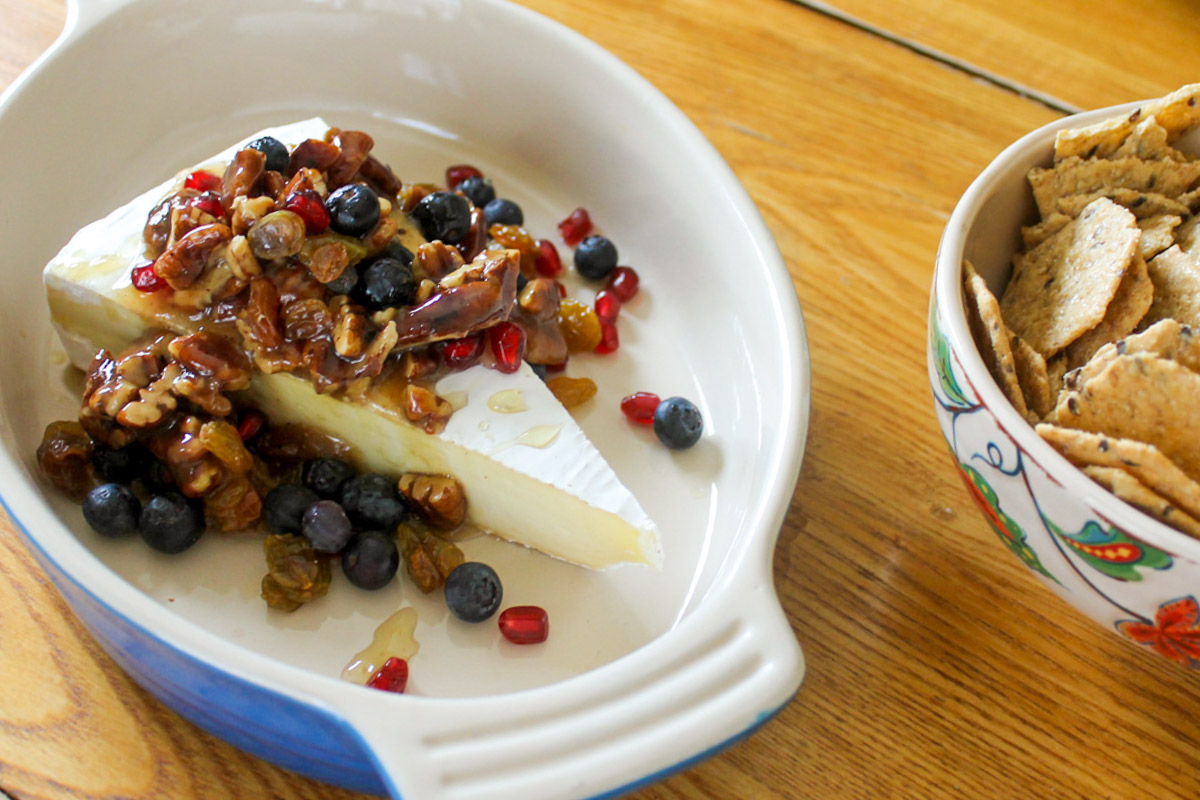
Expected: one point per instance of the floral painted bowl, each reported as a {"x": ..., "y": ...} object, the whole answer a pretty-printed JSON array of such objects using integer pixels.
[{"x": 1129, "y": 572}]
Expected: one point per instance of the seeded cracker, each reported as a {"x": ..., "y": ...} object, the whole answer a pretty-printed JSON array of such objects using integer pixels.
[
  {"x": 983, "y": 315},
  {"x": 1137, "y": 494},
  {"x": 1149, "y": 140},
  {"x": 1165, "y": 338},
  {"x": 1142, "y": 204},
  {"x": 1141, "y": 397},
  {"x": 1033, "y": 378},
  {"x": 1143, "y": 461},
  {"x": 1188, "y": 234},
  {"x": 1158, "y": 233},
  {"x": 1033, "y": 235},
  {"x": 1062, "y": 287},
  {"x": 1175, "y": 113},
  {"x": 1075, "y": 176},
  {"x": 1175, "y": 274},
  {"x": 1131, "y": 302}
]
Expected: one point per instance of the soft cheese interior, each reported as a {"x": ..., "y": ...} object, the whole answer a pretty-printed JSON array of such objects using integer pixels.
[{"x": 529, "y": 472}]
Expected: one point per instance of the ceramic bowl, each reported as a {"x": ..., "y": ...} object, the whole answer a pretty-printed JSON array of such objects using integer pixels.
[
  {"x": 1127, "y": 571},
  {"x": 644, "y": 671}
]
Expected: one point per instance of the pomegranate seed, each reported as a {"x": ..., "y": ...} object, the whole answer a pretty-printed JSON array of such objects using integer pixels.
[
  {"x": 525, "y": 624},
  {"x": 459, "y": 173},
  {"x": 309, "y": 206},
  {"x": 202, "y": 181},
  {"x": 577, "y": 225},
  {"x": 145, "y": 279},
  {"x": 639, "y": 407},
  {"x": 508, "y": 345},
  {"x": 548, "y": 263},
  {"x": 624, "y": 283},
  {"x": 391, "y": 677},
  {"x": 462, "y": 353},
  {"x": 609, "y": 341},
  {"x": 209, "y": 203},
  {"x": 251, "y": 424},
  {"x": 608, "y": 305}
]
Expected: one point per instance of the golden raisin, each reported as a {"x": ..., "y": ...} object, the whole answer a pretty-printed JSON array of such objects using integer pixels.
[
  {"x": 295, "y": 575},
  {"x": 65, "y": 457},
  {"x": 579, "y": 325},
  {"x": 514, "y": 236},
  {"x": 223, "y": 441},
  {"x": 571, "y": 392}
]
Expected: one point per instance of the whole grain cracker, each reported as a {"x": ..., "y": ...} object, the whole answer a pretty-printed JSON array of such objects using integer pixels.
[
  {"x": 1033, "y": 378},
  {"x": 1075, "y": 176},
  {"x": 1148, "y": 140},
  {"x": 1175, "y": 113},
  {"x": 1142, "y": 204},
  {"x": 1062, "y": 287},
  {"x": 1145, "y": 462},
  {"x": 1033, "y": 235},
  {"x": 1166, "y": 338},
  {"x": 1141, "y": 496},
  {"x": 1188, "y": 233},
  {"x": 1158, "y": 233},
  {"x": 1175, "y": 274},
  {"x": 988, "y": 328},
  {"x": 1142, "y": 397},
  {"x": 1130, "y": 303}
]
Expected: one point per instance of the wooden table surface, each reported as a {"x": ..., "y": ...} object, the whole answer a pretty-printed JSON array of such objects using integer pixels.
[{"x": 938, "y": 667}]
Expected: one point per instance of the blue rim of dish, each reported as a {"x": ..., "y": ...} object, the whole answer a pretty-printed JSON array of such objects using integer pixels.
[{"x": 761, "y": 719}]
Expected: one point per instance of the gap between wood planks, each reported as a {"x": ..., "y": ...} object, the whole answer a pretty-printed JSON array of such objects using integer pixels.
[{"x": 830, "y": 11}]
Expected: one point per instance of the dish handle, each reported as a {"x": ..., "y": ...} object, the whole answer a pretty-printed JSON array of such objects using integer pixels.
[{"x": 723, "y": 672}]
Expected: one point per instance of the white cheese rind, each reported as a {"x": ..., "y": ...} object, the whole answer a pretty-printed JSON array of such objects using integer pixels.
[{"x": 531, "y": 475}]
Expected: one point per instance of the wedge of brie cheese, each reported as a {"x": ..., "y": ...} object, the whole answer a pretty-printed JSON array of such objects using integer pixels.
[{"x": 529, "y": 472}]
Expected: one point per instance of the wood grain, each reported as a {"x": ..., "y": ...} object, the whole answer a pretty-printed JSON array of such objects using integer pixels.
[
  {"x": 938, "y": 667},
  {"x": 1081, "y": 54}
]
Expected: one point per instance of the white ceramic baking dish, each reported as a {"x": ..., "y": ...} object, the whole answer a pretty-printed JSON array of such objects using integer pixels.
[{"x": 645, "y": 672}]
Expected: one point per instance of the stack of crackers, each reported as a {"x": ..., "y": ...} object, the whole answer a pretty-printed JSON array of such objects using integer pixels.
[{"x": 1096, "y": 337}]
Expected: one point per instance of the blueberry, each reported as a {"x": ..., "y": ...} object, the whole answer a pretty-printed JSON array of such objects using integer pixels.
[
  {"x": 522, "y": 282},
  {"x": 539, "y": 370},
  {"x": 346, "y": 282},
  {"x": 478, "y": 190},
  {"x": 443, "y": 215},
  {"x": 370, "y": 560},
  {"x": 386, "y": 283},
  {"x": 326, "y": 525},
  {"x": 285, "y": 505},
  {"x": 275, "y": 151},
  {"x": 473, "y": 591},
  {"x": 373, "y": 501},
  {"x": 111, "y": 510},
  {"x": 170, "y": 523},
  {"x": 595, "y": 257},
  {"x": 503, "y": 212},
  {"x": 394, "y": 249},
  {"x": 677, "y": 423},
  {"x": 124, "y": 465},
  {"x": 353, "y": 209},
  {"x": 325, "y": 476}
]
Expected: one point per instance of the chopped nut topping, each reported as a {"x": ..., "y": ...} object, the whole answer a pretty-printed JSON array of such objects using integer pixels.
[
  {"x": 425, "y": 408},
  {"x": 242, "y": 176},
  {"x": 349, "y": 333},
  {"x": 438, "y": 498},
  {"x": 435, "y": 260},
  {"x": 249, "y": 210},
  {"x": 184, "y": 261}
]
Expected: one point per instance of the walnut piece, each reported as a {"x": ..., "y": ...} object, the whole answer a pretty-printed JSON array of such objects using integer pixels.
[
  {"x": 183, "y": 262},
  {"x": 439, "y": 499}
]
